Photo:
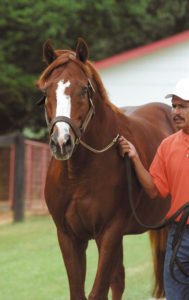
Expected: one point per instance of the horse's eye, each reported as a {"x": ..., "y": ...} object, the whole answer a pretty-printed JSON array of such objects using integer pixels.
[
  {"x": 83, "y": 91},
  {"x": 42, "y": 99}
]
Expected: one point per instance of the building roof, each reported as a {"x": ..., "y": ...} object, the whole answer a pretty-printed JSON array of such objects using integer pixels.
[{"x": 143, "y": 50}]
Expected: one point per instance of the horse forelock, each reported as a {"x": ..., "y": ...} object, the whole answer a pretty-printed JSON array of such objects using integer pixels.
[{"x": 64, "y": 56}]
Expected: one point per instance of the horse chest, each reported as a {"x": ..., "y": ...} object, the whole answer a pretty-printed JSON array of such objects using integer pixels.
[
  {"x": 86, "y": 203},
  {"x": 90, "y": 211}
]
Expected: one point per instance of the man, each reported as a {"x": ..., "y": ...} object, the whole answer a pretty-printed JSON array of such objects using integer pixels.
[{"x": 169, "y": 174}]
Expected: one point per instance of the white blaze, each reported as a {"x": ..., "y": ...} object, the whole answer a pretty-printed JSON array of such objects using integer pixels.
[{"x": 63, "y": 108}]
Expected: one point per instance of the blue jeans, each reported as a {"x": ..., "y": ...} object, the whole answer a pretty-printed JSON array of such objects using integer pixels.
[{"x": 174, "y": 290}]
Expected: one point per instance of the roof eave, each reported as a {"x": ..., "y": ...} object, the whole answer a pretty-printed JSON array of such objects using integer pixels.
[{"x": 143, "y": 50}]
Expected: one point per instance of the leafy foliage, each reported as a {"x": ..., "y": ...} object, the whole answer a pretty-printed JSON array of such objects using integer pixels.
[{"x": 108, "y": 26}]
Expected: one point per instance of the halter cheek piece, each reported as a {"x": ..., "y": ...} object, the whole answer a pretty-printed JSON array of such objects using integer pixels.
[{"x": 78, "y": 131}]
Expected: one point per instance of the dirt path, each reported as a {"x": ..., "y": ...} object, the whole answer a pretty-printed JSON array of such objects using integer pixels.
[{"x": 6, "y": 217}]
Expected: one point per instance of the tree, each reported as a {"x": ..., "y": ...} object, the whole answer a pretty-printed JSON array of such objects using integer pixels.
[{"x": 108, "y": 26}]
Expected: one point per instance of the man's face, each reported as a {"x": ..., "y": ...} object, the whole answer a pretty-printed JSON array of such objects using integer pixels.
[{"x": 180, "y": 113}]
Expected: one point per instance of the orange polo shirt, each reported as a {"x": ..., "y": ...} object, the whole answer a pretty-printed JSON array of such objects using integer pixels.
[{"x": 170, "y": 170}]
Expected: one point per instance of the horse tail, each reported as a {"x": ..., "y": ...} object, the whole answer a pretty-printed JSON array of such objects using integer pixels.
[{"x": 158, "y": 241}]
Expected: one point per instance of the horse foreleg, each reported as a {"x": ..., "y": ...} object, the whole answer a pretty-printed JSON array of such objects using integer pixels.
[
  {"x": 109, "y": 249},
  {"x": 74, "y": 255},
  {"x": 118, "y": 278}
]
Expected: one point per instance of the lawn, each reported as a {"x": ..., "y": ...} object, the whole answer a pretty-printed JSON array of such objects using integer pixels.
[{"x": 32, "y": 267}]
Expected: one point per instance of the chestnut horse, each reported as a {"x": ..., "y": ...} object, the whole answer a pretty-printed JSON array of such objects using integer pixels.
[{"x": 85, "y": 191}]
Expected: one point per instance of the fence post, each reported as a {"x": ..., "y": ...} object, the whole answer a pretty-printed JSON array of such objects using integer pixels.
[{"x": 19, "y": 176}]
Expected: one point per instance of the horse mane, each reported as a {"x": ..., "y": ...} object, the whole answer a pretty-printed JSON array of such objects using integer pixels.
[
  {"x": 100, "y": 87},
  {"x": 63, "y": 57}
]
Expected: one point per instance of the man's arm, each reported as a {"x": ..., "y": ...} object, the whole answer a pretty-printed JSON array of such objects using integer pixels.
[{"x": 143, "y": 175}]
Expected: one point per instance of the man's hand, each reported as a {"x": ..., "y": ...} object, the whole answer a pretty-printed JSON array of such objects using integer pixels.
[
  {"x": 144, "y": 176},
  {"x": 127, "y": 147}
]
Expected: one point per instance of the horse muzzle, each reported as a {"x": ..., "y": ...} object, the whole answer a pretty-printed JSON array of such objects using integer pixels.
[{"x": 62, "y": 148}]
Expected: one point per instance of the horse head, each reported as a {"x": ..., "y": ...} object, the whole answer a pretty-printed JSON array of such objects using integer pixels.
[{"x": 67, "y": 88}]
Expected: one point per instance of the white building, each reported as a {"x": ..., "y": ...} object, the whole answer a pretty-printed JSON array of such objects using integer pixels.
[{"x": 146, "y": 74}]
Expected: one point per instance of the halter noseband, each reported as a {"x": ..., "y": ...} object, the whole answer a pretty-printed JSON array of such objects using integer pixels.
[{"x": 78, "y": 131}]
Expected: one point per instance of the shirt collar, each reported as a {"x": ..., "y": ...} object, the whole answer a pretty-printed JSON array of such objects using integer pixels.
[{"x": 185, "y": 137}]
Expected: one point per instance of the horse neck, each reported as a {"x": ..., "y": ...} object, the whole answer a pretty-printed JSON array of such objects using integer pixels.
[
  {"x": 103, "y": 126},
  {"x": 101, "y": 130}
]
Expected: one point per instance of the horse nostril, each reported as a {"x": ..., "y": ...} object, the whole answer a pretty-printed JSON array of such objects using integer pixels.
[
  {"x": 67, "y": 145},
  {"x": 67, "y": 141},
  {"x": 66, "y": 138}
]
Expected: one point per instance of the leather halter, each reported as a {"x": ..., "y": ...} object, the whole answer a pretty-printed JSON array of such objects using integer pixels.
[{"x": 78, "y": 131}]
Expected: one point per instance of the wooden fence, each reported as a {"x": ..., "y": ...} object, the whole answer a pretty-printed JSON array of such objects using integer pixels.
[{"x": 23, "y": 168}]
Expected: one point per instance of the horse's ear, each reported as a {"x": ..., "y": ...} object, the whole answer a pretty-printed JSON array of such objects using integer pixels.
[
  {"x": 82, "y": 52},
  {"x": 49, "y": 54}
]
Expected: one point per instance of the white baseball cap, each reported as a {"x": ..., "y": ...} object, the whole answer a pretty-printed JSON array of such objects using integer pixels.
[{"x": 181, "y": 90}]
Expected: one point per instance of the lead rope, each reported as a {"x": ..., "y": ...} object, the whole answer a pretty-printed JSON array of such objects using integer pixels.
[
  {"x": 114, "y": 141},
  {"x": 180, "y": 226},
  {"x": 176, "y": 244}
]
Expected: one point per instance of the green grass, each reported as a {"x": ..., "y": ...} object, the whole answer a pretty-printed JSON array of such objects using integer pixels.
[{"x": 32, "y": 268}]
